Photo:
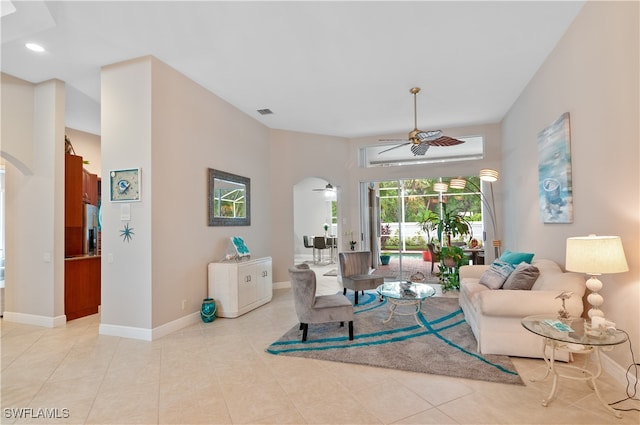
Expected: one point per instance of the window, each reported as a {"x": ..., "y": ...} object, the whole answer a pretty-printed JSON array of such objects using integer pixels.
[{"x": 373, "y": 156}]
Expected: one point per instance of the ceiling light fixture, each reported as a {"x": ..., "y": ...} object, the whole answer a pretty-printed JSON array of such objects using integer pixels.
[{"x": 34, "y": 47}]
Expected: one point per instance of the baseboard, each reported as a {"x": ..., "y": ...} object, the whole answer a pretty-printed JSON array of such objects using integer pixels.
[
  {"x": 175, "y": 325},
  {"x": 34, "y": 319},
  {"x": 282, "y": 285},
  {"x": 617, "y": 372},
  {"x": 149, "y": 334},
  {"x": 125, "y": 331}
]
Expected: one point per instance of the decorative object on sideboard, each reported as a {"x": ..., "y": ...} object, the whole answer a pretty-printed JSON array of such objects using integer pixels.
[
  {"x": 229, "y": 200},
  {"x": 595, "y": 255}
]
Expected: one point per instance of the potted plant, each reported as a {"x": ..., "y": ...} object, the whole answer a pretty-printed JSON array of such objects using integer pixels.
[
  {"x": 450, "y": 224},
  {"x": 385, "y": 257},
  {"x": 452, "y": 257}
]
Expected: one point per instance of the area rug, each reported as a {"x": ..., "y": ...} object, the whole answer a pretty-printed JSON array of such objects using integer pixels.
[
  {"x": 333, "y": 272},
  {"x": 445, "y": 344}
]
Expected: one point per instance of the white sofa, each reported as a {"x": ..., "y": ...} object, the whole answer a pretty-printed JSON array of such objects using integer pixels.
[{"x": 494, "y": 314}]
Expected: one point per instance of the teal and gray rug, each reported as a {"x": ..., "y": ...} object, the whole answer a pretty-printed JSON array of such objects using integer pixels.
[{"x": 444, "y": 346}]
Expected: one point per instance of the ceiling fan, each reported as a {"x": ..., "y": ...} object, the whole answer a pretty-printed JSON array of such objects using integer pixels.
[
  {"x": 420, "y": 140},
  {"x": 328, "y": 188}
]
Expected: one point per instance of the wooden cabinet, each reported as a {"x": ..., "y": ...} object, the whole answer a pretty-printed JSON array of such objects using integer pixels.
[
  {"x": 73, "y": 206},
  {"x": 81, "y": 286},
  {"x": 239, "y": 287},
  {"x": 90, "y": 187}
]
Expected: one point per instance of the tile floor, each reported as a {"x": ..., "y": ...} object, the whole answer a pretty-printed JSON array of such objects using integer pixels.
[{"x": 219, "y": 373}]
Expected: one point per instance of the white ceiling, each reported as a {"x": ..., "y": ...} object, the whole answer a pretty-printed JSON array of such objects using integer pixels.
[{"x": 334, "y": 68}]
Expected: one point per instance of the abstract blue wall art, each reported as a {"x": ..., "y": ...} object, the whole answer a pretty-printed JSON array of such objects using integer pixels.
[{"x": 554, "y": 172}]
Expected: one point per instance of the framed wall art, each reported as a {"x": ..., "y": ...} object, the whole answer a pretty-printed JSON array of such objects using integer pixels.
[
  {"x": 554, "y": 172},
  {"x": 124, "y": 185}
]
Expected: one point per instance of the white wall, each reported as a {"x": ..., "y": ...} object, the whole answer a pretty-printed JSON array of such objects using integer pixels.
[
  {"x": 592, "y": 74},
  {"x": 127, "y": 143},
  {"x": 33, "y": 146}
]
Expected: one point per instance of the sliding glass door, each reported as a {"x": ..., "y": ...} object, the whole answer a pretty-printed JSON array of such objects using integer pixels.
[{"x": 404, "y": 230}]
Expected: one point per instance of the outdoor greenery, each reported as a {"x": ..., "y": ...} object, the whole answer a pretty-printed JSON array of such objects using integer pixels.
[
  {"x": 418, "y": 195},
  {"x": 444, "y": 216}
]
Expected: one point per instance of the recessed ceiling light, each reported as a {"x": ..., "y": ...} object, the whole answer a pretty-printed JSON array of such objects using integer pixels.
[{"x": 34, "y": 47}]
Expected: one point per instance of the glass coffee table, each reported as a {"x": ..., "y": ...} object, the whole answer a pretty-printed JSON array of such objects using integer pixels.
[
  {"x": 405, "y": 293},
  {"x": 572, "y": 336}
]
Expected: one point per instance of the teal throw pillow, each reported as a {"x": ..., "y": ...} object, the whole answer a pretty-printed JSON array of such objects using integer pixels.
[{"x": 516, "y": 258}]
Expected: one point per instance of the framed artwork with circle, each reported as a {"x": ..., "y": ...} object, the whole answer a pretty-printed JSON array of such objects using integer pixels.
[{"x": 124, "y": 185}]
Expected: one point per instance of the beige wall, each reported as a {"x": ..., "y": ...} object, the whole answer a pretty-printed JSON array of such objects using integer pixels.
[
  {"x": 33, "y": 147},
  {"x": 174, "y": 130},
  {"x": 194, "y": 130},
  {"x": 294, "y": 157},
  {"x": 593, "y": 75}
]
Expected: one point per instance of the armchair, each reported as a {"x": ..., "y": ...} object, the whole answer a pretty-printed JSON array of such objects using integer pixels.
[
  {"x": 354, "y": 272},
  {"x": 312, "y": 308}
]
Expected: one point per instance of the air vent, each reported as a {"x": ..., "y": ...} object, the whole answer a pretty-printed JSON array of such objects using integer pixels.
[{"x": 266, "y": 111}]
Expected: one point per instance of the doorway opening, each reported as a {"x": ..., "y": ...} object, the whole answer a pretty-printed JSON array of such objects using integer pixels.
[
  {"x": 315, "y": 214},
  {"x": 403, "y": 218}
]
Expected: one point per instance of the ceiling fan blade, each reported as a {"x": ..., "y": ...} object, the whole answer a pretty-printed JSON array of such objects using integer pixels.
[
  {"x": 426, "y": 136},
  {"x": 393, "y": 140},
  {"x": 395, "y": 147},
  {"x": 445, "y": 141},
  {"x": 419, "y": 148}
]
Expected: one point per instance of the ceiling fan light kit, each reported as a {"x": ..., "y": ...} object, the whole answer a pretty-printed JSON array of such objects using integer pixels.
[{"x": 421, "y": 140}]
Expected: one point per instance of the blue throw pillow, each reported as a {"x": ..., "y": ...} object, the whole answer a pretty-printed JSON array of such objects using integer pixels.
[
  {"x": 497, "y": 273},
  {"x": 516, "y": 258}
]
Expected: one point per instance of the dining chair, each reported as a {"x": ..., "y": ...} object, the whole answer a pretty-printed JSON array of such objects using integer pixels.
[
  {"x": 312, "y": 308},
  {"x": 320, "y": 243},
  {"x": 435, "y": 257},
  {"x": 307, "y": 244}
]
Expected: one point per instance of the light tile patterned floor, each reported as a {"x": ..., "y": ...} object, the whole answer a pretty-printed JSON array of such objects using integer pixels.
[{"x": 219, "y": 373}]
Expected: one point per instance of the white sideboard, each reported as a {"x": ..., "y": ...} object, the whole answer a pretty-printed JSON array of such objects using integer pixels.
[{"x": 239, "y": 287}]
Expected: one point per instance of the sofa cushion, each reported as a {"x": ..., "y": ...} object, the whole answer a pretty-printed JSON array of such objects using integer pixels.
[
  {"x": 516, "y": 258},
  {"x": 496, "y": 275},
  {"x": 522, "y": 278}
]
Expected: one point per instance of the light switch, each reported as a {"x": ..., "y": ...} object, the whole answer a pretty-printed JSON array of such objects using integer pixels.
[
  {"x": 110, "y": 258},
  {"x": 46, "y": 257},
  {"x": 125, "y": 212}
]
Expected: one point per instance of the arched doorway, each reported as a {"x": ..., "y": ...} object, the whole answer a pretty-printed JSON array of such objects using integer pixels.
[{"x": 314, "y": 205}]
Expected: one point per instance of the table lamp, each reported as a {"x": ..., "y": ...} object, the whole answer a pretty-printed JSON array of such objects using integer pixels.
[{"x": 595, "y": 255}]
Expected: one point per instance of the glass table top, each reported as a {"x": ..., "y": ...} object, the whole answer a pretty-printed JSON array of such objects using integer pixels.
[
  {"x": 406, "y": 290},
  {"x": 574, "y": 333}
]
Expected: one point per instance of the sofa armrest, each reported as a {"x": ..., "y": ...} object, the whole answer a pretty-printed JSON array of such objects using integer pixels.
[
  {"x": 516, "y": 303},
  {"x": 473, "y": 272}
]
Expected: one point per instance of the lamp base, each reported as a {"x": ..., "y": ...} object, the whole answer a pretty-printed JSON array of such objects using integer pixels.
[{"x": 594, "y": 298}]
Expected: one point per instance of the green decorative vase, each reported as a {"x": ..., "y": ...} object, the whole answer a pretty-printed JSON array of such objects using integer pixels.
[
  {"x": 384, "y": 259},
  {"x": 208, "y": 310}
]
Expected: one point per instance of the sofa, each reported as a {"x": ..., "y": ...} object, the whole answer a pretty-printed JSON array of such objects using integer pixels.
[{"x": 495, "y": 314}]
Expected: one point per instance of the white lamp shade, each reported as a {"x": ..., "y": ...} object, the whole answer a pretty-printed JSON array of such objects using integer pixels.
[
  {"x": 596, "y": 255},
  {"x": 489, "y": 175},
  {"x": 457, "y": 183},
  {"x": 440, "y": 187}
]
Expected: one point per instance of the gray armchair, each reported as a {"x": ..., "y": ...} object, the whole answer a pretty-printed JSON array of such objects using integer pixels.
[
  {"x": 312, "y": 308},
  {"x": 354, "y": 271}
]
